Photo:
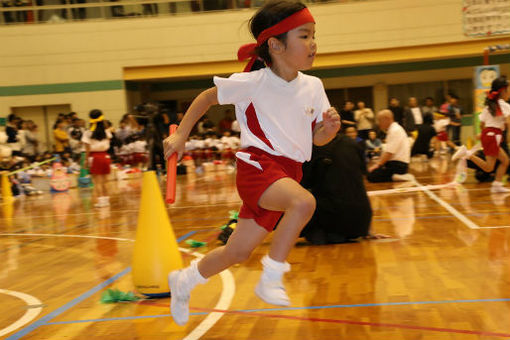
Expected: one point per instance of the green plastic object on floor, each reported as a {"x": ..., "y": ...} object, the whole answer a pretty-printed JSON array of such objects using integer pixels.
[
  {"x": 84, "y": 181},
  {"x": 195, "y": 244},
  {"x": 115, "y": 295},
  {"x": 234, "y": 215}
]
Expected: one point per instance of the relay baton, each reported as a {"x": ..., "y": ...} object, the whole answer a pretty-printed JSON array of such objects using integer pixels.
[{"x": 171, "y": 172}]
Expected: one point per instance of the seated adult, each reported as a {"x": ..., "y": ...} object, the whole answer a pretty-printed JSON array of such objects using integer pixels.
[
  {"x": 394, "y": 162},
  {"x": 334, "y": 175}
]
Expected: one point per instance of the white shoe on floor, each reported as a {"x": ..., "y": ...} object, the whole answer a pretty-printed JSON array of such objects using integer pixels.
[
  {"x": 402, "y": 178},
  {"x": 179, "y": 301},
  {"x": 272, "y": 292},
  {"x": 460, "y": 153},
  {"x": 101, "y": 202},
  {"x": 498, "y": 188}
]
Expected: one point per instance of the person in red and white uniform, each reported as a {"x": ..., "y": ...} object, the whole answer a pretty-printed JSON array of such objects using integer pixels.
[
  {"x": 493, "y": 118},
  {"x": 97, "y": 143},
  {"x": 281, "y": 113}
]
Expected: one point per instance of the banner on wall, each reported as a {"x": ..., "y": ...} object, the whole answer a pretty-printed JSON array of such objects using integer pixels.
[
  {"x": 486, "y": 17},
  {"x": 482, "y": 78}
]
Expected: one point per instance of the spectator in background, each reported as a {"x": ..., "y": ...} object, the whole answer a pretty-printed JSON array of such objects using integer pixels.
[
  {"x": 75, "y": 132},
  {"x": 226, "y": 123},
  {"x": 397, "y": 110},
  {"x": 429, "y": 107},
  {"x": 347, "y": 115},
  {"x": 205, "y": 125},
  {"x": 426, "y": 133},
  {"x": 373, "y": 145},
  {"x": 31, "y": 141},
  {"x": 61, "y": 137},
  {"x": 364, "y": 119},
  {"x": 126, "y": 128},
  {"x": 394, "y": 162},
  {"x": 22, "y": 126},
  {"x": 352, "y": 133},
  {"x": 413, "y": 116},
  {"x": 455, "y": 114},
  {"x": 235, "y": 127},
  {"x": 179, "y": 118},
  {"x": 11, "y": 130}
]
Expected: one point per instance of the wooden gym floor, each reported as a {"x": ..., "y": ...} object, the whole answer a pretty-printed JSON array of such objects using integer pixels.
[{"x": 444, "y": 274}]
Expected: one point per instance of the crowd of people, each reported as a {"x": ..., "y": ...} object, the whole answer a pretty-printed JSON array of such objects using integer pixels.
[
  {"x": 20, "y": 142},
  {"x": 434, "y": 129}
]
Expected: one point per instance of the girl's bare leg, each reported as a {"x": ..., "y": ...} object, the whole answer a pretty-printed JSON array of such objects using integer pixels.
[{"x": 246, "y": 237}]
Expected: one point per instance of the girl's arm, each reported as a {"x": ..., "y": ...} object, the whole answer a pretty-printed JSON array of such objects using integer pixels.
[
  {"x": 326, "y": 130},
  {"x": 199, "y": 106}
]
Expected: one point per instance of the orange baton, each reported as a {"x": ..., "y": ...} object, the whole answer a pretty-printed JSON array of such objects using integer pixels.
[{"x": 171, "y": 173}]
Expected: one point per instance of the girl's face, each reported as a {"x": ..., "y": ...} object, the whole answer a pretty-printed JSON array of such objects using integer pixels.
[
  {"x": 504, "y": 94},
  {"x": 299, "y": 52}
]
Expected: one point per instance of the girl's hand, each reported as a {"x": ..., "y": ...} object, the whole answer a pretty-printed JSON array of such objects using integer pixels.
[
  {"x": 331, "y": 121},
  {"x": 174, "y": 143}
]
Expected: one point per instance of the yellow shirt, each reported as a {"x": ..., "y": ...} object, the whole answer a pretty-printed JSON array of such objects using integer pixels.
[{"x": 61, "y": 140}]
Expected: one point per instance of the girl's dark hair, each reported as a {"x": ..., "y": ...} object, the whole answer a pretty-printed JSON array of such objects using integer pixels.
[
  {"x": 99, "y": 133},
  {"x": 493, "y": 104},
  {"x": 272, "y": 13}
]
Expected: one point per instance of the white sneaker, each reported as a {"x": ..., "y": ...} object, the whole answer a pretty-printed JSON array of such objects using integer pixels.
[
  {"x": 272, "y": 292},
  {"x": 461, "y": 171},
  {"x": 498, "y": 188},
  {"x": 179, "y": 301},
  {"x": 460, "y": 153},
  {"x": 101, "y": 203},
  {"x": 402, "y": 178}
]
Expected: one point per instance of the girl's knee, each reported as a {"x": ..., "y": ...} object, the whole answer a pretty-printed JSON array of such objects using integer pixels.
[
  {"x": 236, "y": 256},
  {"x": 304, "y": 204}
]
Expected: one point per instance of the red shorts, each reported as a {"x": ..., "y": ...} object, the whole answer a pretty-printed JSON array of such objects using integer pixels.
[
  {"x": 99, "y": 163},
  {"x": 491, "y": 139},
  {"x": 256, "y": 171},
  {"x": 442, "y": 136},
  {"x": 138, "y": 157}
]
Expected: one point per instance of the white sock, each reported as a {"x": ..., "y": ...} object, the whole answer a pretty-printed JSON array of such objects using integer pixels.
[
  {"x": 193, "y": 276},
  {"x": 497, "y": 184},
  {"x": 274, "y": 270}
]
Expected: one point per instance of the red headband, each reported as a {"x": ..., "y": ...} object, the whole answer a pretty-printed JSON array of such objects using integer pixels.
[
  {"x": 495, "y": 94},
  {"x": 295, "y": 20}
]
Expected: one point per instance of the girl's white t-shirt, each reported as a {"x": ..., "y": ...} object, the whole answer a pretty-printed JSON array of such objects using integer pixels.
[
  {"x": 275, "y": 115},
  {"x": 495, "y": 121},
  {"x": 96, "y": 145}
]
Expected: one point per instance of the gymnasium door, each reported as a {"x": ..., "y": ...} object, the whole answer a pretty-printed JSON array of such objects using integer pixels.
[{"x": 44, "y": 117}]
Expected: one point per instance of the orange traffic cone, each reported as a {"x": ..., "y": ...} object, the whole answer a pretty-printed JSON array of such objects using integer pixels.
[{"x": 156, "y": 252}]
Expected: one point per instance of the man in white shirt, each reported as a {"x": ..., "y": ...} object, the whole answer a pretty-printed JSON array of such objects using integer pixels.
[{"x": 394, "y": 162}]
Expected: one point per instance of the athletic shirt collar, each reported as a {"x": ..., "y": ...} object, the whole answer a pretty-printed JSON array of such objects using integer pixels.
[{"x": 275, "y": 79}]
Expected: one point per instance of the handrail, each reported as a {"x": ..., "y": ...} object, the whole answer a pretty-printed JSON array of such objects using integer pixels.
[
  {"x": 88, "y": 4},
  {"x": 69, "y": 12}
]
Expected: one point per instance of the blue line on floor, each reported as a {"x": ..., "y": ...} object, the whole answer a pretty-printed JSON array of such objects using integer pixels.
[
  {"x": 290, "y": 309},
  {"x": 47, "y": 318}
]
